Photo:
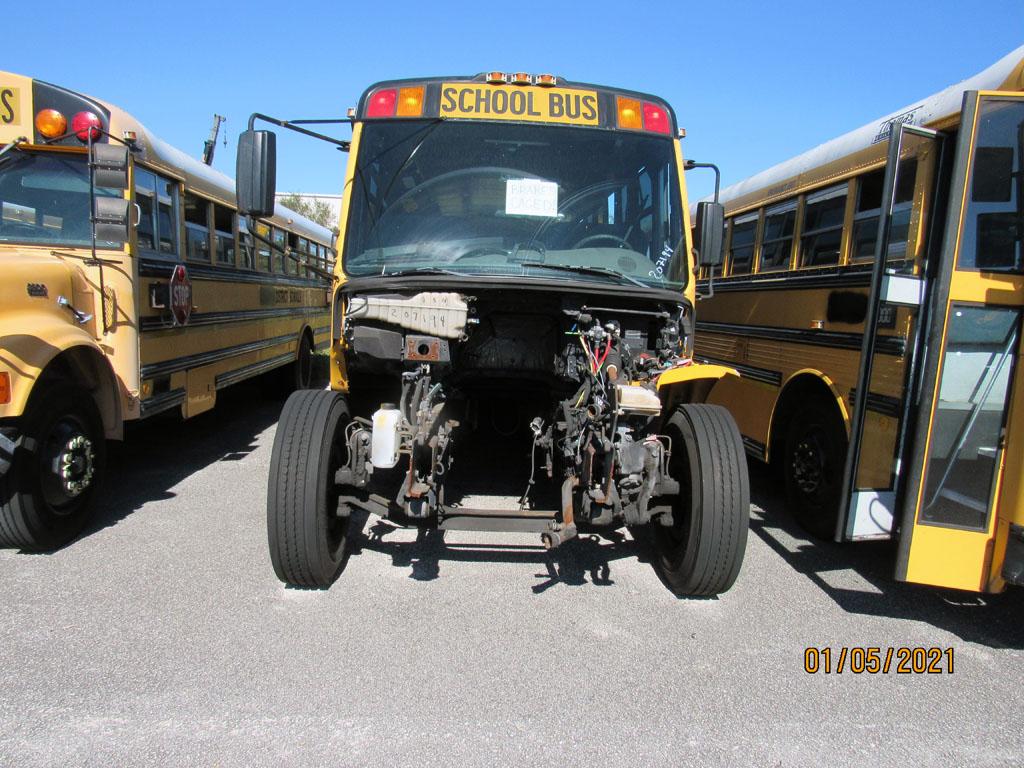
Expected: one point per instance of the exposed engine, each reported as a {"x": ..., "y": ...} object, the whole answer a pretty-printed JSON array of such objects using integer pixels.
[{"x": 573, "y": 375}]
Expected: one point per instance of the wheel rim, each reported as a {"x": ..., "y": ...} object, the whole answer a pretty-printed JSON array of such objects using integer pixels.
[
  {"x": 808, "y": 462},
  {"x": 67, "y": 468}
]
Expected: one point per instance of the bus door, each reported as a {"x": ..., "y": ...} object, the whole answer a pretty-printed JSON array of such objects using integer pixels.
[
  {"x": 903, "y": 274},
  {"x": 963, "y": 501}
]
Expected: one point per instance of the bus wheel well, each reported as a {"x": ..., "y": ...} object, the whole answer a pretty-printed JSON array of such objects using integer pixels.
[
  {"x": 308, "y": 332},
  {"x": 87, "y": 368},
  {"x": 801, "y": 390}
]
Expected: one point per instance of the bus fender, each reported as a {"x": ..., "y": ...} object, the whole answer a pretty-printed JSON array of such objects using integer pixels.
[
  {"x": 690, "y": 383},
  {"x": 58, "y": 349}
]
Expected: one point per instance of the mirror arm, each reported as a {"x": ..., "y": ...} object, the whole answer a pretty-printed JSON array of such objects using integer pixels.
[
  {"x": 691, "y": 164},
  {"x": 295, "y": 125}
]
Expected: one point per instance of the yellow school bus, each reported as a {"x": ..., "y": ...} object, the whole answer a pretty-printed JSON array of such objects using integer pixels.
[
  {"x": 128, "y": 287},
  {"x": 512, "y": 308},
  {"x": 871, "y": 299}
]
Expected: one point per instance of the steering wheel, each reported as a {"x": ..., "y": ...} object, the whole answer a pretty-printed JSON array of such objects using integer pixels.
[
  {"x": 602, "y": 236},
  {"x": 486, "y": 170}
]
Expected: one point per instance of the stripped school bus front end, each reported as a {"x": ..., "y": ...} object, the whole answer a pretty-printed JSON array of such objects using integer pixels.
[
  {"x": 68, "y": 342},
  {"x": 514, "y": 309}
]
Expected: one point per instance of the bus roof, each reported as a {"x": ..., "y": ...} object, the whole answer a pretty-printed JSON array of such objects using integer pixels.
[{"x": 865, "y": 145}]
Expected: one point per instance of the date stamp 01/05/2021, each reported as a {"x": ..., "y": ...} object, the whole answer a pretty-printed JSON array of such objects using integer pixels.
[{"x": 874, "y": 660}]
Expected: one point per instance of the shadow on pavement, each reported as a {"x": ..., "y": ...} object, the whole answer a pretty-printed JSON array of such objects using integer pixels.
[
  {"x": 159, "y": 453},
  {"x": 996, "y": 621},
  {"x": 586, "y": 559}
]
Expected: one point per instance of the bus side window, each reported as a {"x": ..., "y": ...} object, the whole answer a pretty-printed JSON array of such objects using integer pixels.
[
  {"x": 224, "y": 234},
  {"x": 777, "y": 242},
  {"x": 145, "y": 198},
  {"x": 822, "y": 234},
  {"x": 280, "y": 242},
  {"x": 197, "y": 228},
  {"x": 741, "y": 249},
  {"x": 263, "y": 250},
  {"x": 245, "y": 244},
  {"x": 869, "y": 204},
  {"x": 167, "y": 215}
]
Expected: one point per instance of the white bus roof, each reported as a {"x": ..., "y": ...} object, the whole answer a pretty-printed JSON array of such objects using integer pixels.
[{"x": 1005, "y": 74}]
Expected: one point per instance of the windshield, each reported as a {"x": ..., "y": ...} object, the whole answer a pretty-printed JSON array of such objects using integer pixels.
[
  {"x": 516, "y": 200},
  {"x": 44, "y": 199}
]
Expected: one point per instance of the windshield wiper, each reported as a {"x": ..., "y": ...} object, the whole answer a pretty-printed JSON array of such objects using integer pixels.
[
  {"x": 421, "y": 271},
  {"x": 13, "y": 145},
  {"x": 581, "y": 270}
]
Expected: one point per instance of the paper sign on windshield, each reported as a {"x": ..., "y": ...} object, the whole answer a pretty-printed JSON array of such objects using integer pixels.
[{"x": 531, "y": 197}]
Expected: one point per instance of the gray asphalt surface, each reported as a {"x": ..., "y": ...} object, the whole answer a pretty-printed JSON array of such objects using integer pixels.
[{"x": 162, "y": 637}]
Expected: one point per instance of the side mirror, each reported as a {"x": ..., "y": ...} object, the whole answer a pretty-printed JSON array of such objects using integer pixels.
[
  {"x": 708, "y": 236},
  {"x": 256, "y": 172},
  {"x": 993, "y": 175},
  {"x": 110, "y": 215},
  {"x": 110, "y": 165}
]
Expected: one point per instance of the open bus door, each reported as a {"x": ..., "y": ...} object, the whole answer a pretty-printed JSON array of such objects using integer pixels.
[
  {"x": 962, "y": 522},
  {"x": 906, "y": 227}
]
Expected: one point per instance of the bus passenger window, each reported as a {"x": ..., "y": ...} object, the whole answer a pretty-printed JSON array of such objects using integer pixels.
[
  {"x": 777, "y": 243},
  {"x": 823, "y": 227},
  {"x": 741, "y": 249},
  {"x": 245, "y": 244},
  {"x": 280, "y": 243},
  {"x": 869, "y": 204},
  {"x": 145, "y": 198},
  {"x": 263, "y": 231},
  {"x": 223, "y": 226},
  {"x": 197, "y": 228},
  {"x": 167, "y": 215}
]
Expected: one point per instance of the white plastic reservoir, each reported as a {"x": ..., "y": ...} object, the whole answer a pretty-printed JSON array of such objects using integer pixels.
[{"x": 384, "y": 438}]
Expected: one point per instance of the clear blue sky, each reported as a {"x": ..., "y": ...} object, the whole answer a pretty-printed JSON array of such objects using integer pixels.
[{"x": 752, "y": 82}]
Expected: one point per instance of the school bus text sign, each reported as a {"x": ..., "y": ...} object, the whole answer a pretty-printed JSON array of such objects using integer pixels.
[{"x": 531, "y": 103}]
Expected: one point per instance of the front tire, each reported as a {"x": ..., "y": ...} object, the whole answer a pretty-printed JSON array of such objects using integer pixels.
[
  {"x": 49, "y": 492},
  {"x": 301, "y": 374},
  {"x": 307, "y": 538},
  {"x": 701, "y": 553}
]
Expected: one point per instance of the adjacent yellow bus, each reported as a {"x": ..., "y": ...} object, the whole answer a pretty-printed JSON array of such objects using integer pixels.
[
  {"x": 871, "y": 298},
  {"x": 129, "y": 286}
]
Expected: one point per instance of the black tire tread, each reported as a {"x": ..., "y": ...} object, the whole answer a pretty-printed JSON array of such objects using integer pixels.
[
  {"x": 723, "y": 499},
  {"x": 295, "y": 487}
]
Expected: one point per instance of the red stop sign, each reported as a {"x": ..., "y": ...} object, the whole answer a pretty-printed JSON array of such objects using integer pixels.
[{"x": 180, "y": 294}]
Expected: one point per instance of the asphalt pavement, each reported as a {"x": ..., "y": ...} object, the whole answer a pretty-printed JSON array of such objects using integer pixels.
[{"x": 161, "y": 636}]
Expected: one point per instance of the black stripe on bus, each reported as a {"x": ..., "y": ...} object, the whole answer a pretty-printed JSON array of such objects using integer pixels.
[
  {"x": 886, "y": 405},
  {"x": 774, "y": 281},
  {"x": 321, "y": 329},
  {"x": 886, "y": 345},
  {"x": 160, "y": 268},
  {"x": 157, "y": 323},
  {"x": 255, "y": 369},
  {"x": 162, "y": 402},
  {"x": 166, "y": 367},
  {"x": 765, "y": 375}
]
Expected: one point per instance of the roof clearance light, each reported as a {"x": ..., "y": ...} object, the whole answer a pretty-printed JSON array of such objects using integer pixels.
[
  {"x": 51, "y": 123},
  {"x": 410, "y": 102},
  {"x": 656, "y": 118},
  {"x": 547, "y": 80},
  {"x": 495, "y": 78},
  {"x": 629, "y": 113},
  {"x": 382, "y": 103},
  {"x": 86, "y": 124},
  {"x": 521, "y": 78}
]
